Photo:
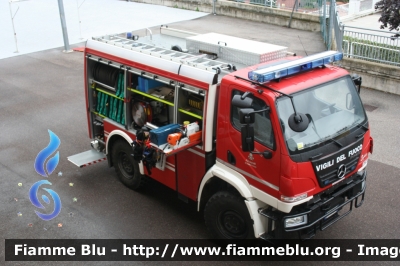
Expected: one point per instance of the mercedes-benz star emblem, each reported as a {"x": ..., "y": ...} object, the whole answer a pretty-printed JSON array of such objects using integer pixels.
[{"x": 341, "y": 171}]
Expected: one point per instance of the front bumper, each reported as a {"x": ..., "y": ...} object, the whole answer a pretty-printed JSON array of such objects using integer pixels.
[{"x": 321, "y": 212}]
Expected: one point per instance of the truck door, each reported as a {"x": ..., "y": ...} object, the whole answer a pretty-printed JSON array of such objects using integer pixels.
[{"x": 260, "y": 172}]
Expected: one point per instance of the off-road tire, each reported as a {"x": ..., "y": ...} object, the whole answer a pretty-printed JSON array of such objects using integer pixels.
[
  {"x": 226, "y": 217},
  {"x": 126, "y": 167}
]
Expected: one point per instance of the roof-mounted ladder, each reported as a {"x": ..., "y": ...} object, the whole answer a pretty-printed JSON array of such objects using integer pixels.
[{"x": 199, "y": 61}]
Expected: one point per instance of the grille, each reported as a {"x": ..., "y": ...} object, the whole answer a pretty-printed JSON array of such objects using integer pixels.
[{"x": 331, "y": 176}]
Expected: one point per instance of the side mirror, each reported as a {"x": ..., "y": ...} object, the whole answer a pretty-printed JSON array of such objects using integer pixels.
[
  {"x": 267, "y": 154},
  {"x": 298, "y": 122},
  {"x": 248, "y": 141},
  {"x": 242, "y": 101},
  {"x": 357, "y": 81},
  {"x": 349, "y": 102},
  {"x": 247, "y": 119},
  {"x": 247, "y": 138},
  {"x": 246, "y": 116}
]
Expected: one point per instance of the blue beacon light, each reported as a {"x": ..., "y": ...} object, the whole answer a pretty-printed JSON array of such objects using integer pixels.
[{"x": 295, "y": 66}]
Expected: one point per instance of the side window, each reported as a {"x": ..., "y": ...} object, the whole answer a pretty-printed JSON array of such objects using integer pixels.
[{"x": 263, "y": 132}]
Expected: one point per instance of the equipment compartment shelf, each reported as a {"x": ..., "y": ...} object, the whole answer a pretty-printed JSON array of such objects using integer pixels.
[
  {"x": 110, "y": 94},
  {"x": 166, "y": 102},
  {"x": 151, "y": 97},
  {"x": 168, "y": 151},
  {"x": 190, "y": 113},
  {"x": 96, "y": 113},
  {"x": 103, "y": 85}
]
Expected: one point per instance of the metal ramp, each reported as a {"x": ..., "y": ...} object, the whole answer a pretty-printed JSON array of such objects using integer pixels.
[
  {"x": 87, "y": 158},
  {"x": 199, "y": 61}
]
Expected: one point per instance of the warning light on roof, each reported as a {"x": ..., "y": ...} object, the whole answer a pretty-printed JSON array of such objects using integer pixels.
[{"x": 264, "y": 74}]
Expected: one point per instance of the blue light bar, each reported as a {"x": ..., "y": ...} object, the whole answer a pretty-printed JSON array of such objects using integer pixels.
[{"x": 295, "y": 66}]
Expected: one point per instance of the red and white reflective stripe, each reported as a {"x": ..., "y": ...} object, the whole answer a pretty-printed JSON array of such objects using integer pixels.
[{"x": 97, "y": 161}]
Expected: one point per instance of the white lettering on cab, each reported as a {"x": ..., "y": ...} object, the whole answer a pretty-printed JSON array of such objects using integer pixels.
[
  {"x": 325, "y": 165},
  {"x": 340, "y": 158},
  {"x": 355, "y": 150}
]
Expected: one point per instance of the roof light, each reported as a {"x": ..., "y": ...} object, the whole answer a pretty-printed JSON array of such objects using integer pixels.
[{"x": 264, "y": 74}]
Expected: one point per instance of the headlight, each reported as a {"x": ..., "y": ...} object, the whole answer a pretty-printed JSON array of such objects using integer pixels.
[
  {"x": 296, "y": 221},
  {"x": 362, "y": 169},
  {"x": 293, "y": 199}
]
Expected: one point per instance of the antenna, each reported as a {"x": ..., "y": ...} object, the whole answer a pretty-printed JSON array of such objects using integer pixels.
[{"x": 302, "y": 44}]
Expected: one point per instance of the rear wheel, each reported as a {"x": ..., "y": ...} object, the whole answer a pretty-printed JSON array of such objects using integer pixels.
[
  {"x": 227, "y": 217},
  {"x": 126, "y": 167}
]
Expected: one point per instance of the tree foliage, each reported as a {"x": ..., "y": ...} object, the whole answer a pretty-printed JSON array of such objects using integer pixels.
[{"x": 390, "y": 17}]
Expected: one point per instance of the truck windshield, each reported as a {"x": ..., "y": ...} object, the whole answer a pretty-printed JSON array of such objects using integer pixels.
[{"x": 332, "y": 108}]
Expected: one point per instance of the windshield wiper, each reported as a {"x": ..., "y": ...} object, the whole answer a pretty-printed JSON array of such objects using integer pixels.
[
  {"x": 321, "y": 140},
  {"x": 363, "y": 126},
  {"x": 361, "y": 134},
  {"x": 316, "y": 156},
  {"x": 341, "y": 130},
  {"x": 333, "y": 140},
  {"x": 337, "y": 142}
]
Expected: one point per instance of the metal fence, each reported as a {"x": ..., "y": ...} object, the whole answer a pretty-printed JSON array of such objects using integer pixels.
[
  {"x": 303, "y": 6},
  {"x": 361, "y": 43},
  {"x": 267, "y": 3},
  {"x": 371, "y": 45},
  {"x": 316, "y": 7}
]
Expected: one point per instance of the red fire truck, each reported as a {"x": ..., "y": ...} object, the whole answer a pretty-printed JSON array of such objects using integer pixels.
[{"x": 265, "y": 142}]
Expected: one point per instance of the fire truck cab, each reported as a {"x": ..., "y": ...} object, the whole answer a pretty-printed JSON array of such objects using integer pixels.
[{"x": 265, "y": 143}]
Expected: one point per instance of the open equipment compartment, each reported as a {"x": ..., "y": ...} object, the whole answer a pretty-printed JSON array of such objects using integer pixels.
[
  {"x": 106, "y": 92},
  {"x": 190, "y": 104},
  {"x": 160, "y": 101},
  {"x": 152, "y": 100}
]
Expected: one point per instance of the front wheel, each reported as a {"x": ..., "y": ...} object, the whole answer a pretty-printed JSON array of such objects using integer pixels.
[
  {"x": 126, "y": 167},
  {"x": 226, "y": 217}
]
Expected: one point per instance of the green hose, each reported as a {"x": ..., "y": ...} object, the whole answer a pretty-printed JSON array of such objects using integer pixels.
[
  {"x": 122, "y": 114},
  {"x": 111, "y": 109},
  {"x": 120, "y": 108},
  {"x": 105, "y": 106},
  {"x": 115, "y": 108}
]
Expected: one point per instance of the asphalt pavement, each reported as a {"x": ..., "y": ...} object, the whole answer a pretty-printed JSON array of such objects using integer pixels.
[{"x": 44, "y": 91}]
